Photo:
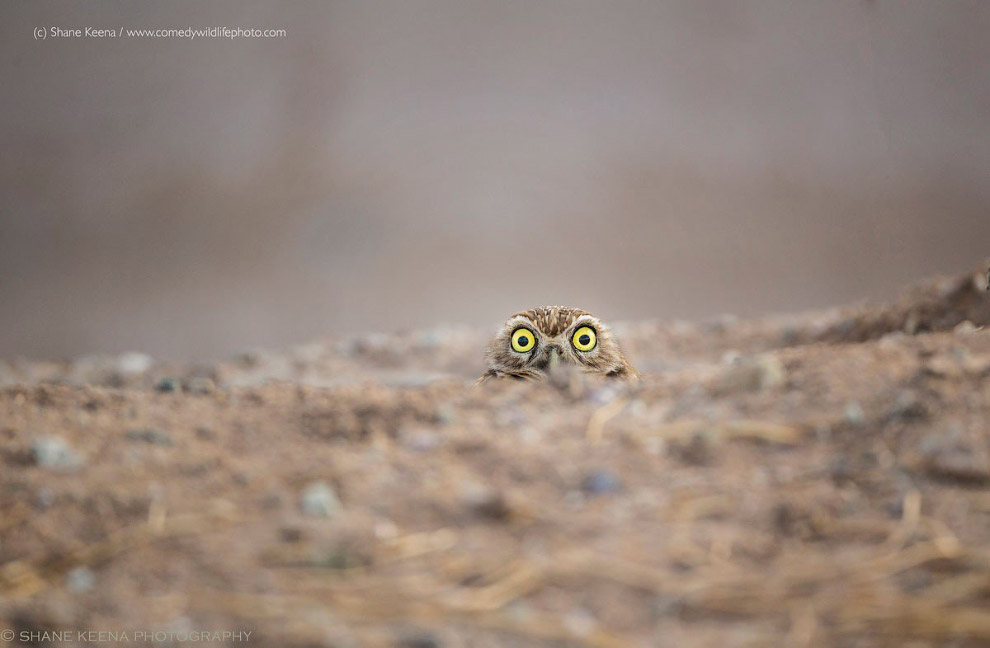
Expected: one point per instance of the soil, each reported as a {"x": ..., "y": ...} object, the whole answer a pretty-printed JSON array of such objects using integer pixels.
[{"x": 821, "y": 479}]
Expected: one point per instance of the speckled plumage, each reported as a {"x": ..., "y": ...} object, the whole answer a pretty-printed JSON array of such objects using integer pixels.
[{"x": 553, "y": 327}]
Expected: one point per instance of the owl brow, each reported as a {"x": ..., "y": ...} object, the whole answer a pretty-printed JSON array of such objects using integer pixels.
[
  {"x": 518, "y": 321},
  {"x": 584, "y": 320}
]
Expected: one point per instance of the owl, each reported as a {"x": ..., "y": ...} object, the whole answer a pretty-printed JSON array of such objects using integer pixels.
[{"x": 533, "y": 343}]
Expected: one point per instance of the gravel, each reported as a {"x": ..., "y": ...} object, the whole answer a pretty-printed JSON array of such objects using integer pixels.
[
  {"x": 55, "y": 454},
  {"x": 168, "y": 385},
  {"x": 601, "y": 482},
  {"x": 80, "y": 579},
  {"x": 318, "y": 499}
]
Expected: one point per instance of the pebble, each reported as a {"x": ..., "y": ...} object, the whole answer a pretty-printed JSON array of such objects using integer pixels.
[
  {"x": 318, "y": 499},
  {"x": 150, "y": 435},
  {"x": 80, "y": 579},
  {"x": 965, "y": 328},
  {"x": 907, "y": 406},
  {"x": 854, "y": 414},
  {"x": 54, "y": 453},
  {"x": 168, "y": 385},
  {"x": 133, "y": 363},
  {"x": 601, "y": 482},
  {"x": 484, "y": 502}
]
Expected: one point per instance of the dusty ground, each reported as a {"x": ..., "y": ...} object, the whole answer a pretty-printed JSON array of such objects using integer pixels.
[{"x": 822, "y": 479}]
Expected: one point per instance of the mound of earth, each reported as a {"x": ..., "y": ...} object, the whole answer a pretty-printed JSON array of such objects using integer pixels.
[{"x": 813, "y": 480}]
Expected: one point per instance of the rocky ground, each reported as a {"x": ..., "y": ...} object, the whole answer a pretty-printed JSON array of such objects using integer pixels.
[{"x": 815, "y": 480}]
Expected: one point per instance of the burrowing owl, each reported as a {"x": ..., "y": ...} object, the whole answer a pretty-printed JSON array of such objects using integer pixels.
[{"x": 534, "y": 343}]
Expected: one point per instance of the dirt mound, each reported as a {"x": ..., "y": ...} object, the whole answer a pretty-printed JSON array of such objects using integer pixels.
[
  {"x": 938, "y": 305},
  {"x": 760, "y": 486}
]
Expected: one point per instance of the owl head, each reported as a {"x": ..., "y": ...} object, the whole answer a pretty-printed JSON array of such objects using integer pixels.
[{"x": 533, "y": 343}]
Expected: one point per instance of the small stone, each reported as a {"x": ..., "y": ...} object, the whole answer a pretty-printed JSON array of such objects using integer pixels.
[
  {"x": 54, "y": 453},
  {"x": 80, "y": 579},
  {"x": 965, "y": 328},
  {"x": 133, "y": 363},
  {"x": 485, "y": 502},
  {"x": 907, "y": 407},
  {"x": 168, "y": 385},
  {"x": 601, "y": 482},
  {"x": 153, "y": 436},
  {"x": 854, "y": 414},
  {"x": 319, "y": 500}
]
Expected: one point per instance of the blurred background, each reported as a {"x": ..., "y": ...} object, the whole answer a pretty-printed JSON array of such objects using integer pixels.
[{"x": 397, "y": 165}]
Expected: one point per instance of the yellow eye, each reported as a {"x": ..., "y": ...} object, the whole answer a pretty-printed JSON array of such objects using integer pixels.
[
  {"x": 584, "y": 339},
  {"x": 523, "y": 340}
]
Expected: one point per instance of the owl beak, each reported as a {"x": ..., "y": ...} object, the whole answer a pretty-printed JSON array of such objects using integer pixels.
[{"x": 558, "y": 370}]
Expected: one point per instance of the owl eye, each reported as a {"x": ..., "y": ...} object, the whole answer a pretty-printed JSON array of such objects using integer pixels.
[
  {"x": 523, "y": 340},
  {"x": 584, "y": 339}
]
